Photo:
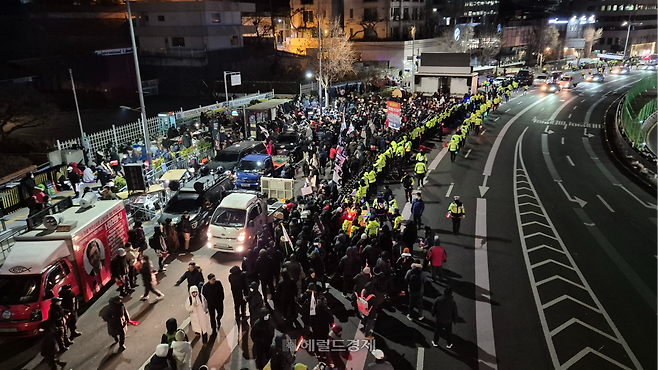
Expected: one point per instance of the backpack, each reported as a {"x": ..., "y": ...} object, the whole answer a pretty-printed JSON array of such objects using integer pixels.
[
  {"x": 362, "y": 303},
  {"x": 414, "y": 282}
]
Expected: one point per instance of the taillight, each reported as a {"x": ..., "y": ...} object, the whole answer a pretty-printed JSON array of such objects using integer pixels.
[
  {"x": 36, "y": 315},
  {"x": 242, "y": 236}
]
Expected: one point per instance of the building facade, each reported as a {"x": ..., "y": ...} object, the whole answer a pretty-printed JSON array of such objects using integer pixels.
[
  {"x": 183, "y": 32},
  {"x": 635, "y": 18}
]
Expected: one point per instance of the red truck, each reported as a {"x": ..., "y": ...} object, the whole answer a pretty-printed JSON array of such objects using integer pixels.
[{"x": 73, "y": 247}]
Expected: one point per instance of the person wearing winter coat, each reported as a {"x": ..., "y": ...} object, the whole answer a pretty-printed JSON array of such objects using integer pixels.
[
  {"x": 294, "y": 271},
  {"x": 121, "y": 272},
  {"x": 255, "y": 301},
  {"x": 239, "y": 290},
  {"x": 360, "y": 282},
  {"x": 286, "y": 292},
  {"x": 181, "y": 351},
  {"x": 171, "y": 236},
  {"x": 49, "y": 346},
  {"x": 402, "y": 265},
  {"x": 350, "y": 266},
  {"x": 213, "y": 292},
  {"x": 417, "y": 209},
  {"x": 148, "y": 279},
  {"x": 317, "y": 265},
  {"x": 410, "y": 235},
  {"x": 415, "y": 279},
  {"x": 444, "y": 310},
  {"x": 193, "y": 275},
  {"x": 160, "y": 360},
  {"x": 159, "y": 245},
  {"x": 185, "y": 228},
  {"x": 321, "y": 320},
  {"x": 368, "y": 322},
  {"x": 170, "y": 335},
  {"x": 262, "y": 334},
  {"x": 437, "y": 256},
  {"x": 371, "y": 254},
  {"x": 117, "y": 318},
  {"x": 282, "y": 357},
  {"x": 197, "y": 306},
  {"x": 265, "y": 273}
]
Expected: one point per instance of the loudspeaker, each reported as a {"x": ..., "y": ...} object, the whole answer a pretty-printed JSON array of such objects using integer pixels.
[{"x": 135, "y": 176}]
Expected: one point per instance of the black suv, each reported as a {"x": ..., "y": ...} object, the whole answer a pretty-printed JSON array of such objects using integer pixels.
[
  {"x": 199, "y": 196},
  {"x": 230, "y": 156},
  {"x": 288, "y": 143}
]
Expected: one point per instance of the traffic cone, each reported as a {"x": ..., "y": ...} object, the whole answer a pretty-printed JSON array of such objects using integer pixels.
[{"x": 445, "y": 144}]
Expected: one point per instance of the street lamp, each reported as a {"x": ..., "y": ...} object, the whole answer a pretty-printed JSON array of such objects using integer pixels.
[
  {"x": 628, "y": 33},
  {"x": 309, "y": 75},
  {"x": 541, "y": 56},
  {"x": 413, "y": 59}
]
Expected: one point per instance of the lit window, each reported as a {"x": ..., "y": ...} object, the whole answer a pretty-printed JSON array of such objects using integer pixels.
[
  {"x": 614, "y": 8},
  {"x": 602, "y": 7}
]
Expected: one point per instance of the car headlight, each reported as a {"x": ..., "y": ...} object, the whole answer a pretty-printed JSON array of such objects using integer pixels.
[
  {"x": 239, "y": 249},
  {"x": 242, "y": 236},
  {"x": 209, "y": 235}
]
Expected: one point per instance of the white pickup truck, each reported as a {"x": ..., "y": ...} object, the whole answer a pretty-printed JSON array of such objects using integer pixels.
[{"x": 235, "y": 223}]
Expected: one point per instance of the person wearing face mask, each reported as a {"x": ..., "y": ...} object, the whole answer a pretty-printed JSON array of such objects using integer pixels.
[{"x": 197, "y": 306}]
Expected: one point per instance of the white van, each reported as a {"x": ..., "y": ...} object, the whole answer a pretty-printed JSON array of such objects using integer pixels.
[{"x": 235, "y": 223}]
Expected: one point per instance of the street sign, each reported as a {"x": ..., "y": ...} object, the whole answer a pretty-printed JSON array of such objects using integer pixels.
[{"x": 236, "y": 79}]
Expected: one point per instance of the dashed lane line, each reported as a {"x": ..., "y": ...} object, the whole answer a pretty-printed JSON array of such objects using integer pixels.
[
  {"x": 483, "y": 314},
  {"x": 605, "y": 203}
]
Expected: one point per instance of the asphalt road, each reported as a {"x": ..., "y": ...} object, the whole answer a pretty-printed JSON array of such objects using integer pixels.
[{"x": 547, "y": 274}]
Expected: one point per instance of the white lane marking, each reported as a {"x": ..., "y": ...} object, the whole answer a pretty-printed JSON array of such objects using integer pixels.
[
  {"x": 483, "y": 315},
  {"x": 520, "y": 172},
  {"x": 561, "y": 108},
  {"x": 519, "y": 103},
  {"x": 467, "y": 153},
  {"x": 575, "y": 106},
  {"x": 568, "y": 117},
  {"x": 541, "y": 110},
  {"x": 508, "y": 109},
  {"x": 488, "y": 166},
  {"x": 482, "y": 133},
  {"x": 605, "y": 203},
  {"x": 225, "y": 348},
  {"x": 438, "y": 158},
  {"x": 570, "y": 161},
  {"x": 357, "y": 359},
  {"x": 646, "y": 204},
  {"x": 450, "y": 189},
  {"x": 406, "y": 211},
  {"x": 586, "y": 134},
  {"x": 497, "y": 118},
  {"x": 547, "y": 131},
  {"x": 420, "y": 360},
  {"x": 554, "y": 173},
  {"x": 582, "y": 101},
  {"x": 562, "y": 141}
]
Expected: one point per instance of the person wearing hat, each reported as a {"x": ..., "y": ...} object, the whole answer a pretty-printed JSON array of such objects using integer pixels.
[
  {"x": 57, "y": 318},
  {"x": 50, "y": 349},
  {"x": 380, "y": 361},
  {"x": 213, "y": 291},
  {"x": 117, "y": 318},
  {"x": 262, "y": 334},
  {"x": 70, "y": 306},
  {"x": 193, "y": 275},
  {"x": 181, "y": 351},
  {"x": 121, "y": 272},
  {"x": 457, "y": 212},
  {"x": 377, "y": 290}
]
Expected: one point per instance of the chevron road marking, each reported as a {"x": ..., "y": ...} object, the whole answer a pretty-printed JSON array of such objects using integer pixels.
[{"x": 607, "y": 330}]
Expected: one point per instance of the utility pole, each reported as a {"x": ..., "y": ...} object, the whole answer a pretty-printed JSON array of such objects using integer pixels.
[
  {"x": 147, "y": 141},
  {"x": 320, "y": 56},
  {"x": 77, "y": 109}
]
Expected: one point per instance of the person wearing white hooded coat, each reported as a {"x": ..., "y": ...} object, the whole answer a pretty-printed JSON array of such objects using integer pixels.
[
  {"x": 197, "y": 306},
  {"x": 182, "y": 351}
]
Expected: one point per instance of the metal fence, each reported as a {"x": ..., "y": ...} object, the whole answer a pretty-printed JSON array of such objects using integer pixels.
[
  {"x": 634, "y": 109},
  {"x": 133, "y": 132}
]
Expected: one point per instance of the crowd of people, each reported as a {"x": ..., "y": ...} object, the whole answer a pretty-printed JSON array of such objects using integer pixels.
[{"x": 348, "y": 234}]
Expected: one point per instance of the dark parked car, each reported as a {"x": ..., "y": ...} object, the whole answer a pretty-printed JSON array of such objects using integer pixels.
[
  {"x": 288, "y": 143},
  {"x": 199, "y": 196},
  {"x": 229, "y": 157}
]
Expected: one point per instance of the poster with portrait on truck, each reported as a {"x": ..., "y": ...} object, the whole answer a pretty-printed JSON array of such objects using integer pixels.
[{"x": 95, "y": 235}]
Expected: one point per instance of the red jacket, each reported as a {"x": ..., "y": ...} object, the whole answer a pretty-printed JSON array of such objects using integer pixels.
[
  {"x": 437, "y": 255},
  {"x": 332, "y": 153}
]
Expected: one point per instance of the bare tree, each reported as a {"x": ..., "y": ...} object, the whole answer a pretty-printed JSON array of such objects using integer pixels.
[
  {"x": 21, "y": 108},
  {"x": 592, "y": 36},
  {"x": 369, "y": 30},
  {"x": 489, "y": 45},
  {"x": 338, "y": 55},
  {"x": 543, "y": 39},
  {"x": 465, "y": 43},
  {"x": 263, "y": 27}
]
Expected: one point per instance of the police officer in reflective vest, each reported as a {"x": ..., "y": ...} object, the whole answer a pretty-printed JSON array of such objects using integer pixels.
[
  {"x": 420, "y": 169},
  {"x": 457, "y": 211}
]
